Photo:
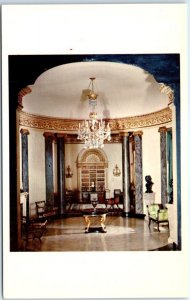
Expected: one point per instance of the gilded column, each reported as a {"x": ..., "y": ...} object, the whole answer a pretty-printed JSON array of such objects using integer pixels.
[
  {"x": 163, "y": 160},
  {"x": 126, "y": 173},
  {"x": 61, "y": 172},
  {"x": 25, "y": 171},
  {"x": 138, "y": 173},
  {"x": 49, "y": 168}
]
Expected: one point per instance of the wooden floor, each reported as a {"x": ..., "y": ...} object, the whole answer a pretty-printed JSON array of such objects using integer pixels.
[{"x": 123, "y": 234}]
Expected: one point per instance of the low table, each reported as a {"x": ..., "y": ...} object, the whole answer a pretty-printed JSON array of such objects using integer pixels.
[{"x": 95, "y": 217}]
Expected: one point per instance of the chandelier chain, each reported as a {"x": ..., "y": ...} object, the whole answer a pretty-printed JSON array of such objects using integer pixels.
[{"x": 93, "y": 131}]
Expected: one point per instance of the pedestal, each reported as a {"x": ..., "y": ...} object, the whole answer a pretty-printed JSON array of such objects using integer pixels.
[{"x": 148, "y": 198}]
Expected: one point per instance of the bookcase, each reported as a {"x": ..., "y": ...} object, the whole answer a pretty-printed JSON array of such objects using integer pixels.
[{"x": 92, "y": 173}]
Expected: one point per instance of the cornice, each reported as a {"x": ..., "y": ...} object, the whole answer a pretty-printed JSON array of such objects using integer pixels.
[
  {"x": 121, "y": 124},
  {"x": 156, "y": 118}
]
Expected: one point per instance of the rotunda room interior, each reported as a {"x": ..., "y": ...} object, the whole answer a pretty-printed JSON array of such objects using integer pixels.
[{"x": 94, "y": 152}]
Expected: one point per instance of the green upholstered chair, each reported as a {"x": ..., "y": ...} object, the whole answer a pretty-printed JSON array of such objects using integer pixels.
[{"x": 158, "y": 214}]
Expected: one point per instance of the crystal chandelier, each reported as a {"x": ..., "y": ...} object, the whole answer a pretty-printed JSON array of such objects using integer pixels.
[{"x": 93, "y": 132}]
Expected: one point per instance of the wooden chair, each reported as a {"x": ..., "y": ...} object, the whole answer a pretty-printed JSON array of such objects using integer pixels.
[
  {"x": 33, "y": 228},
  {"x": 44, "y": 211},
  {"x": 113, "y": 201}
]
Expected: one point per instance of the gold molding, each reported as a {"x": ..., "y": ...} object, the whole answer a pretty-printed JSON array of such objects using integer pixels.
[
  {"x": 82, "y": 157},
  {"x": 156, "y": 118},
  {"x": 121, "y": 124}
]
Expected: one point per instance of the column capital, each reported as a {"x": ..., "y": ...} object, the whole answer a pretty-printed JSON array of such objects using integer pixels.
[
  {"x": 24, "y": 131},
  {"x": 162, "y": 129},
  {"x": 123, "y": 133},
  {"x": 135, "y": 133},
  {"x": 61, "y": 135},
  {"x": 49, "y": 135}
]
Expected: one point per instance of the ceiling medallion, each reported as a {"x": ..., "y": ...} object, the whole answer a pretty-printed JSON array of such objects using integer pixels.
[{"x": 93, "y": 132}]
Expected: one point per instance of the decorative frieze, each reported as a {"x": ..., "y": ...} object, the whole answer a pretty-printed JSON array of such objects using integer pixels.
[
  {"x": 157, "y": 118},
  {"x": 48, "y": 123}
]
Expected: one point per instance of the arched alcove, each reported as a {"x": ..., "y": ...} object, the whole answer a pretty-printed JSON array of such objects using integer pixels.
[{"x": 92, "y": 166}]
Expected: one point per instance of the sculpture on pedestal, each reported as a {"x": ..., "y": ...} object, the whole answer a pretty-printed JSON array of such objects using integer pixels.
[
  {"x": 93, "y": 188},
  {"x": 149, "y": 184}
]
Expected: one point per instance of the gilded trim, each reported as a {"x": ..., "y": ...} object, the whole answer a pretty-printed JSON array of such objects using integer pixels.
[{"x": 121, "y": 124}]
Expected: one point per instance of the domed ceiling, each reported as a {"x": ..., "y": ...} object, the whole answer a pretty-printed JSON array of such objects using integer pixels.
[{"x": 123, "y": 90}]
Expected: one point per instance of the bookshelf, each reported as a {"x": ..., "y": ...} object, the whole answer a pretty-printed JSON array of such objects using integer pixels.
[{"x": 92, "y": 173}]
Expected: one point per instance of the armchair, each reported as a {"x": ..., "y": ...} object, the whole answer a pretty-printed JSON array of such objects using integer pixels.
[
  {"x": 158, "y": 214},
  {"x": 113, "y": 201}
]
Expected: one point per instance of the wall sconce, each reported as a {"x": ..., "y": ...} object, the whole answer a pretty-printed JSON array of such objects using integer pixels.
[
  {"x": 69, "y": 173},
  {"x": 116, "y": 171}
]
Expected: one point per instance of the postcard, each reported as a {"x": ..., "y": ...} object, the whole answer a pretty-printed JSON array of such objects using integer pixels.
[{"x": 94, "y": 123}]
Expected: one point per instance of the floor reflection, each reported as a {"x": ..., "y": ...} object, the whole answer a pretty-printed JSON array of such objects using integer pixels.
[{"x": 123, "y": 234}]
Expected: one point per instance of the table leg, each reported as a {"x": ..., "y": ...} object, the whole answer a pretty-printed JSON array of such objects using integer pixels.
[
  {"x": 102, "y": 222},
  {"x": 87, "y": 220}
]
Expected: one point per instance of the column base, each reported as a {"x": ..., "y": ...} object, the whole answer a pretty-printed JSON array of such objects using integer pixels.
[
  {"x": 125, "y": 214},
  {"x": 136, "y": 215}
]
